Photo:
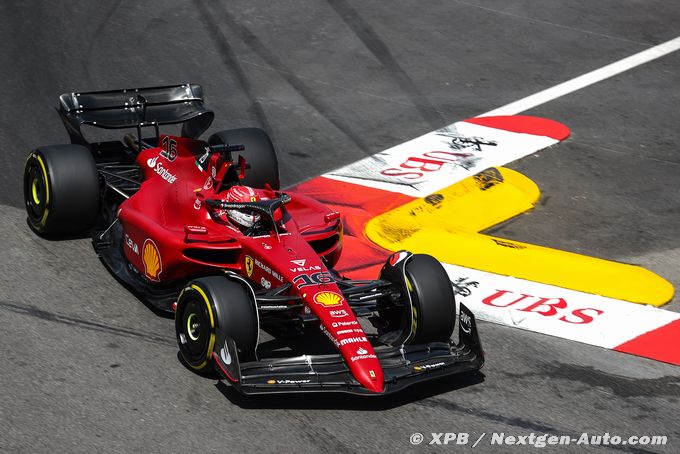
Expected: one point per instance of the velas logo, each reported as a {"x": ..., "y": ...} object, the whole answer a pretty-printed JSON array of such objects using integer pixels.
[
  {"x": 300, "y": 266},
  {"x": 328, "y": 299},
  {"x": 153, "y": 265},
  {"x": 249, "y": 265}
]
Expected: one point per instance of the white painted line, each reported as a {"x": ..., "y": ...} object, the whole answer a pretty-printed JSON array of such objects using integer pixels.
[{"x": 586, "y": 79}]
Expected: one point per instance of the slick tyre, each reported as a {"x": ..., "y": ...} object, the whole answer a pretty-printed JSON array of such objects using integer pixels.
[
  {"x": 211, "y": 304},
  {"x": 61, "y": 189},
  {"x": 433, "y": 300},
  {"x": 259, "y": 154}
]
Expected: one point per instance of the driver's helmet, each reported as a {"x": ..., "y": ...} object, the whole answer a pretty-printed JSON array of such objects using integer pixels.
[{"x": 242, "y": 218}]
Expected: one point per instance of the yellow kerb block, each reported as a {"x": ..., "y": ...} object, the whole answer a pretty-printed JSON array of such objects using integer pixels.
[{"x": 446, "y": 225}]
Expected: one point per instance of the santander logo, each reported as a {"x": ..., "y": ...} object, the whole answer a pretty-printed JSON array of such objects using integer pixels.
[
  {"x": 160, "y": 170},
  {"x": 362, "y": 354}
]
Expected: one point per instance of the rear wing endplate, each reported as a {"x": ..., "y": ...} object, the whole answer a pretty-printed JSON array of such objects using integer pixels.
[{"x": 136, "y": 108}]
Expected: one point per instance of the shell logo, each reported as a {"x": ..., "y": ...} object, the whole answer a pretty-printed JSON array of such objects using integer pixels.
[
  {"x": 328, "y": 299},
  {"x": 153, "y": 265}
]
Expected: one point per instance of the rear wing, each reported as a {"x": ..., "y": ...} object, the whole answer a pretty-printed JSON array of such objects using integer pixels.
[{"x": 136, "y": 108}]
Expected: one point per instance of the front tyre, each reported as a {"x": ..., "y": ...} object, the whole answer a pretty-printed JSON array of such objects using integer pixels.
[
  {"x": 433, "y": 300},
  {"x": 61, "y": 189},
  {"x": 431, "y": 314},
  {"x": 211, "y": 304}
]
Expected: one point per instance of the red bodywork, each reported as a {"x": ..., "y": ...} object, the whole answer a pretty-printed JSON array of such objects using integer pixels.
[{"x": 171, "y": 234}]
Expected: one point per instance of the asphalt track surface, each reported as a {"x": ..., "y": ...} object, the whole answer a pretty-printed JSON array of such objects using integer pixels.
[{"x": 85, "y": 367}]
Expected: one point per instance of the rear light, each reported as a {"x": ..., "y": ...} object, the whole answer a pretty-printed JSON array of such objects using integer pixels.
[
  {"x": 330, "y": 217},
  {"x": 174, "y": 306}
]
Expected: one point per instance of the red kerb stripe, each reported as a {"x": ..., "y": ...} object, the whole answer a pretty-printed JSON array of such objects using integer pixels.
[{"x": 661, "y": 344}]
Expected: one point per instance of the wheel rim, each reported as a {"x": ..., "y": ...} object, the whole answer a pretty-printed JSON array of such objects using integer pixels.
[
  {"x": 35, "y": 191},
  {"x": 193, "y": 327},
  {"x": 195, "y": 323}
]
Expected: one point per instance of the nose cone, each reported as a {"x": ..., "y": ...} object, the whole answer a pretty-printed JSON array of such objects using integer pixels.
[{"x": 369, "y": 373}]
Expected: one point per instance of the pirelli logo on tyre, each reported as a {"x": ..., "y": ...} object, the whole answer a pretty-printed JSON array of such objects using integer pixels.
[{"x": 328, "y": 299}]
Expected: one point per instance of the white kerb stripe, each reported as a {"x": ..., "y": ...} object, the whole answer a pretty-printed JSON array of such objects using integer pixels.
[{"x": 586, "y": 79}]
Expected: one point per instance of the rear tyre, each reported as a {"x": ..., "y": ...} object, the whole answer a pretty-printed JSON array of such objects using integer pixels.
[
  {"x": 259, "y": 154},
  {"x": 207, "y": 305},
  {"x": 61, "y": 189}
]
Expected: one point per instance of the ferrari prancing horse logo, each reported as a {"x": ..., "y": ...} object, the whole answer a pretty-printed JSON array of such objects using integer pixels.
[{"x": 249, "y": 265}]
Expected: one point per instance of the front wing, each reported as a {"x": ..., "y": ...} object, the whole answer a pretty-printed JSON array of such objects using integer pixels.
[{"x": 402, "y": 366}]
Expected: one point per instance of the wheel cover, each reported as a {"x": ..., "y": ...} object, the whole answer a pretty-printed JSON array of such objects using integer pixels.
[
  {"x": 195, "y": 329},
  {"x": 36, "y": 191}
]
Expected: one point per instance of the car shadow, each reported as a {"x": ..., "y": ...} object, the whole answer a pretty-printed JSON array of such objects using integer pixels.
[
  {"x": 344, "y": 401},
  {"x": 315, "y": 343},
  {"x": 58, "y": 237}
]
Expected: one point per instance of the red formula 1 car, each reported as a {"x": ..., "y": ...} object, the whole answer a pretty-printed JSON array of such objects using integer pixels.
[{"x": 201, "y": 228}]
